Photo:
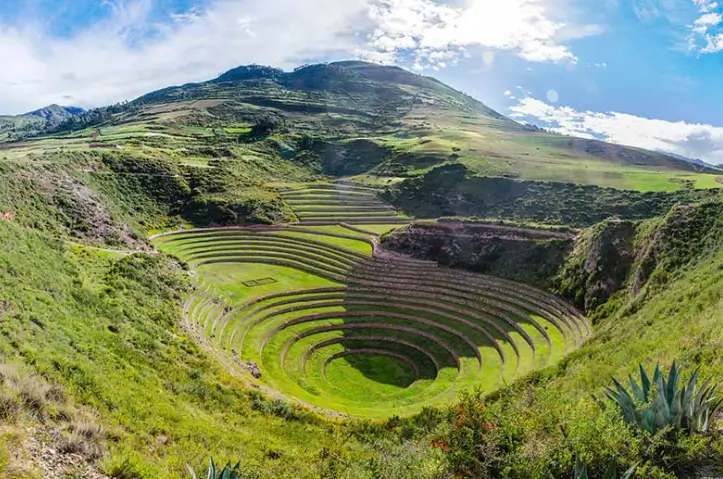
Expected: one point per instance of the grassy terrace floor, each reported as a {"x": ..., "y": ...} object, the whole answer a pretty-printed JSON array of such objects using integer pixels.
[
  {"x": 334, "y": 203},
  {"x": 333, "y": 325}
]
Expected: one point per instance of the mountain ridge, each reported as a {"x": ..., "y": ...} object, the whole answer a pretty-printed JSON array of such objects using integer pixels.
[
  {"x": 53, "y": 111},
  {"x": 352, "y": 76},
  {"x": 400, "y": 123}
]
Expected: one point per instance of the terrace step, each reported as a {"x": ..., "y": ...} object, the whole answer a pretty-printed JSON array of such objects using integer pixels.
[{"x": 448, "y": 329}]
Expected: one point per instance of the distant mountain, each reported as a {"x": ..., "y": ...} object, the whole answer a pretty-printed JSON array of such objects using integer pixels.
[
  {"x": 355, "y": 117},
  {"x": 695, "y": 161},
  {"x": 54, "y": 114},
  {"x": 13, "y": 128}
]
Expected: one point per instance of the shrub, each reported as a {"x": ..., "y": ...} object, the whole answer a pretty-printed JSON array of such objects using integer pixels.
[
  {"x": 469, "y": 443},
  {"x": 86, "y": 438},
  {"x": 274, "y": 407}
]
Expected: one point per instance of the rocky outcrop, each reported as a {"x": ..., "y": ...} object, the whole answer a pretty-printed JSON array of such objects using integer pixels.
[{"x": 519, "y": 254}]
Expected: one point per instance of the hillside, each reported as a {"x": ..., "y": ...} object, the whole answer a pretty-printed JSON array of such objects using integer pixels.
[
  {"x": 35, "y": 122},
  {"x": 383, "y": 123},
  {"x": 54, "y": 114},
  {"x": 350, "y": 271}
]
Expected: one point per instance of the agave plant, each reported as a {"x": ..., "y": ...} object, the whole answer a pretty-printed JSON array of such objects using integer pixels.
[
  {"x": 227, "y": 472},
  {"x": 660, "y": 403},
  {"x": 611, "y": 472}
]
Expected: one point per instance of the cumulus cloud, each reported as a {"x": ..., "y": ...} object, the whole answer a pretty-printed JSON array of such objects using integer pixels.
[
  {"x": 428, "y": 29},
  {"x": 706, "y": 34},
  {"x": 687, "y": 139}
]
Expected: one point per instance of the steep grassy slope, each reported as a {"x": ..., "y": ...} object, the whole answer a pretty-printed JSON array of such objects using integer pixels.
[
  {"x": 633, "y": 260},
  {"x": 104, "y": 327},
  {"x": 673, "y": 314},
  {"x": 114, "y": 198}
]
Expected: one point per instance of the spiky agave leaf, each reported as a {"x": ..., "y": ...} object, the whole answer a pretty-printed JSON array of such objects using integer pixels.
[
  {"x": 629, "y": 473},
  {"x": 228, "y": 473},
  {"x": 612, "y": 471},
  {"x": 690, "y": 390},
  {"x": 211, "y": 470},
  {"x": 661, "y": 411},
  {"x": 624, "y": 400},
  {"x": 647, "y": 420},
  {"x": 637, "y": 390},
  {"x": 704, "y": 405},
  {"x": 645, "y": 383},
  {"x": 580, "y": 469},
  {"x": 671, "y": 387},
  {"x": 657, "y": 374}
]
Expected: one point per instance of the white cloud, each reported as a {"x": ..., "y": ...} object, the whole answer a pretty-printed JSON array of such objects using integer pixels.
[
  {"x": 708, "y": 19},
  {"x": 705, "y": 5},
  {"x": 132, "y": 52},
  {"x": 706, "y": 33},
  {"x": 646, "y": 10},
  {"x": 114, "y": 60},
  {"x": 714, "y": 44},
  {"x": 425, "y": 27},
  {"x": 687, "y": 139}
]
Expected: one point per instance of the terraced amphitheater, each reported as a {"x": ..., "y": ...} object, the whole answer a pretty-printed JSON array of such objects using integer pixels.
[
  {"x": 324, "y": 319},
  {"x": 333, "y": 203}
]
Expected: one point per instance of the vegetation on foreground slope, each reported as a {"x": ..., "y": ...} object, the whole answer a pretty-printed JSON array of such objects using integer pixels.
[
  {"x": 94, "y": 319},
  {"x": 106, "y": 328}
]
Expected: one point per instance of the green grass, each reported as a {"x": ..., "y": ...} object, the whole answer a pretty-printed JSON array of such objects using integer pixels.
[
  {"x": 229, "y": 280},
  {"x": 147, "y": 381},
  {"x": 265, "y": 331},
  {"x": 105, "y": 327}
]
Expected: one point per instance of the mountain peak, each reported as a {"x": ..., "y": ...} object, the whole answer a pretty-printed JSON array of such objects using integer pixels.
[{"x": 54, "y": 113}]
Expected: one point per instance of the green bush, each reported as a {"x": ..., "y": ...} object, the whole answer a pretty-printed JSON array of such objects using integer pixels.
[{"x": 470, "y": 443}]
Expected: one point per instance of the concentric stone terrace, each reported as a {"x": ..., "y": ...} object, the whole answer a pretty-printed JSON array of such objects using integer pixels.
[
  {"x": 333, "y": 325},
  {"x": 333, "y": 203}
]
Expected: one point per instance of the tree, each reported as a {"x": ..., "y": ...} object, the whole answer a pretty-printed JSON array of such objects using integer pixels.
[{"x": 265, "y": 126}]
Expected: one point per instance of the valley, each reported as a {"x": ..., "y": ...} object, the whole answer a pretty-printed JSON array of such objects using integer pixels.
[
  {"x": 346, "y": 271},
  {"x": 331, "y": 297}
]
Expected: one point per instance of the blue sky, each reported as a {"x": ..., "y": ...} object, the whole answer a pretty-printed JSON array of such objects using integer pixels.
[{"x": 639, "y": 72}]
